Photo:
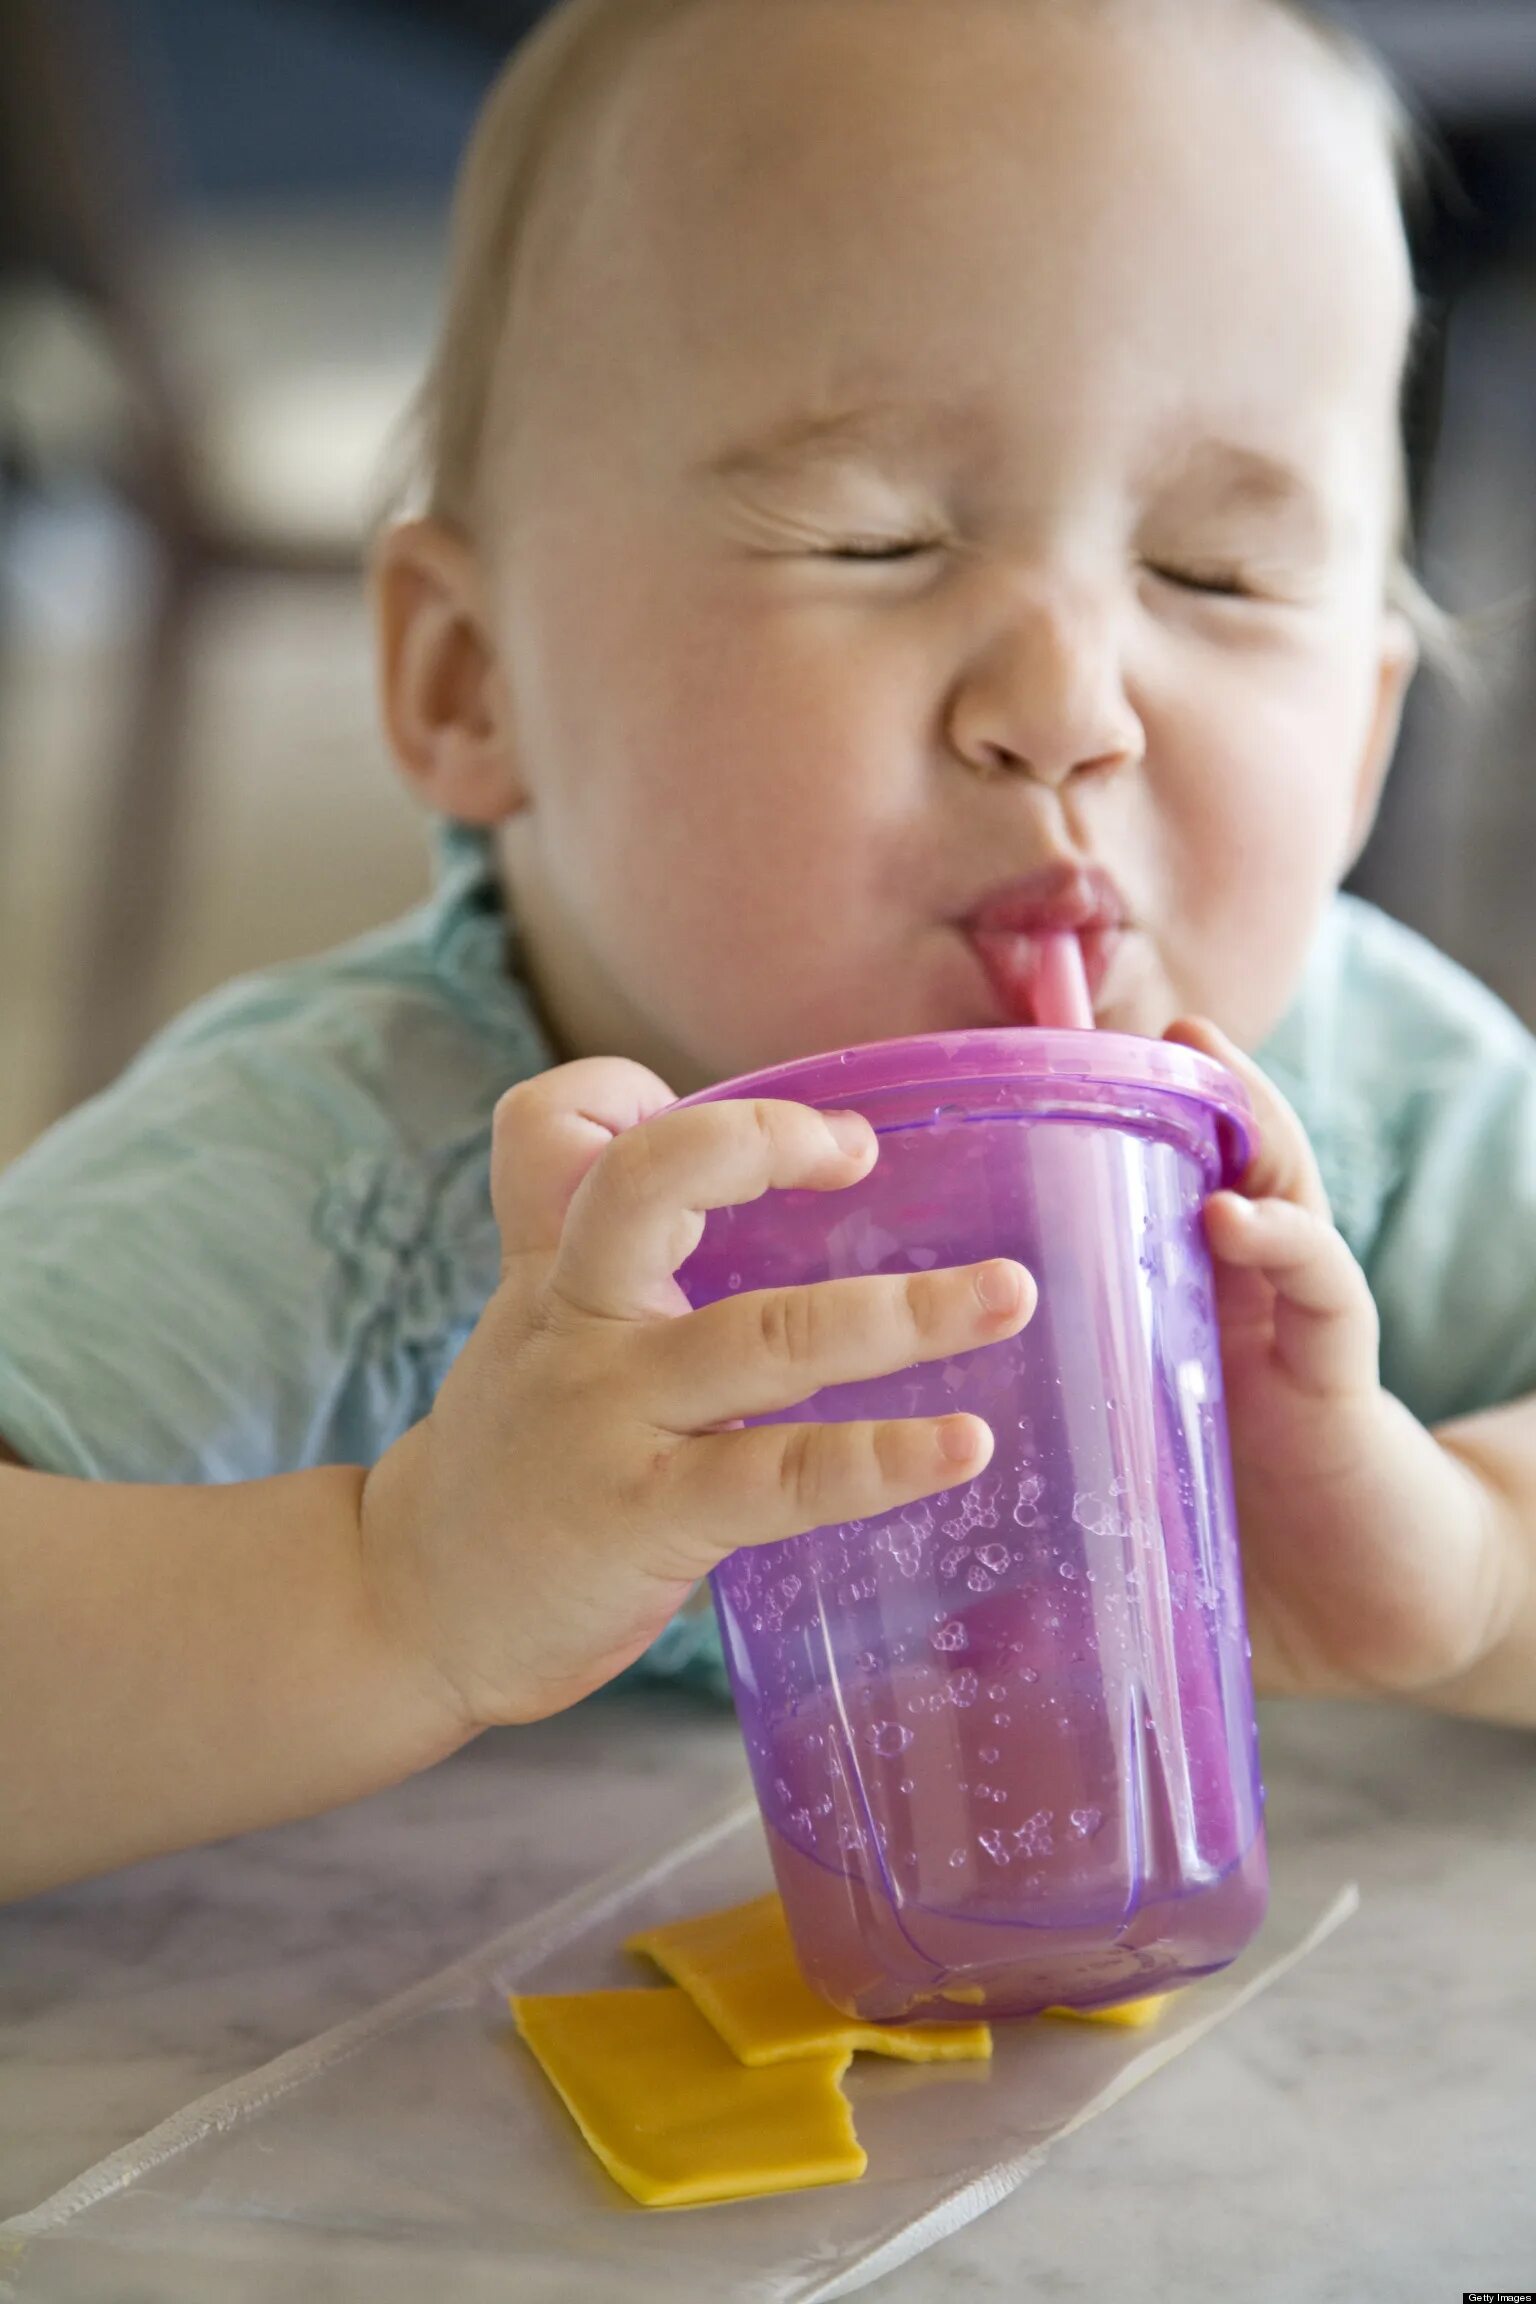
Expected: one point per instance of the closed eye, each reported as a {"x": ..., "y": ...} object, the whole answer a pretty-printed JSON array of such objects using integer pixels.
[
  {"x": 1213, "y": 583},
  {"x": 881, "y": 548}
]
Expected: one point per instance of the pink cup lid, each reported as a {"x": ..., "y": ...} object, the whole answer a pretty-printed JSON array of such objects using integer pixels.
[{"x": 950, "y": 1063}]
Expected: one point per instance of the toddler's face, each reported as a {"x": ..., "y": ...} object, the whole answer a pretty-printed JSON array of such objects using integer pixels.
[{"x": 956, "y": 470}]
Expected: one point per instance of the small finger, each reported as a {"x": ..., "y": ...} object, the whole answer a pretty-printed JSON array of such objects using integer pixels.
[
  {"x": 1326, "y": 1330},
  {"x": 756, "y": 1354},
  {"x": 550, "y": 1131},
  {"x": 640, "y": 1212},
  {"x": 1285, "y": 1166},
  {"x": 775, "y": 1480}
]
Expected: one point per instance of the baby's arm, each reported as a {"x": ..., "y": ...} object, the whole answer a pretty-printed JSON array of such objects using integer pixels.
[
  {"x": 182, "y": 1663},
  {"x": 1499, "y": 1449},
  {"x": 178, "y": 1664}
]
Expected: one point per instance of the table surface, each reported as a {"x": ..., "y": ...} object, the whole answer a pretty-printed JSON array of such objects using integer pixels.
[{"x": 1364, "y": 2131}]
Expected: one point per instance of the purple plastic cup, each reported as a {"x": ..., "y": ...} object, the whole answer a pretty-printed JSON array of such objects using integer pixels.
[{"x": 1003, "y": 1739}]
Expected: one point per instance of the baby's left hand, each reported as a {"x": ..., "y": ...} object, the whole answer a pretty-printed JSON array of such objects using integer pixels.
[{"x": 1369, "y": 1550}]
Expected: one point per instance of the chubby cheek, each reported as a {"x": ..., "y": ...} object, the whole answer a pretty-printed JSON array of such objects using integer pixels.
[
  {"x": 725, "y": 842},
  {"x": 1253, "y": 829}
]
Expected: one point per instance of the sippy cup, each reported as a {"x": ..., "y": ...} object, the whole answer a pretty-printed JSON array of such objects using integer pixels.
[{"x": 1003, "y": 1739}]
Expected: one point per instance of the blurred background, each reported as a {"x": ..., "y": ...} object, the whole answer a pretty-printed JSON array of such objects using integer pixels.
[{"x": 221, "y": 229}]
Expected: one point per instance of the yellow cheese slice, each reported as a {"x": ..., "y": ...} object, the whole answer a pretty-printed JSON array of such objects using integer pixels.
[
  {"x": 670, "y": 2112},
  {"x": 739, "y": 1967},
  {"x": 1126, "y": 2012},
  {"x": 1123, "y": 2012}
]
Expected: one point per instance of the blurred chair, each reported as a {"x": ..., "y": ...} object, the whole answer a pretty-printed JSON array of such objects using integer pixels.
[{"x": 234, "y": 383}]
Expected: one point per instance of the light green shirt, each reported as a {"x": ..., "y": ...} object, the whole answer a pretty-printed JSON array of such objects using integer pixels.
[{"x": 263, "y": 1247}]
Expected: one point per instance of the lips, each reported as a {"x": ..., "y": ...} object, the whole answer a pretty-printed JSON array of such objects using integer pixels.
[{"x": 1004, "y": 930}]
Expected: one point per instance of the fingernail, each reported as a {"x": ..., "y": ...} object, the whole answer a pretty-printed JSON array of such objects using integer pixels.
[
  {"x": 957, "y": 1440},
  {"x": 850, "y": 1131},
  {"x": 1000, "y": 1287}
]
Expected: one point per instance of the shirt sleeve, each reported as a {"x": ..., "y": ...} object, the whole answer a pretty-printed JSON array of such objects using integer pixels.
[
  {"x": 229, "y": 1266},
  {"x": 1453, "y": 1269},
  {"x": 1426, "y": 1128}
]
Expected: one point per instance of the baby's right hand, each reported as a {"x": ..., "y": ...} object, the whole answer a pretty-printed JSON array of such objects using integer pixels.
[{"x": 578, "y": 1474}]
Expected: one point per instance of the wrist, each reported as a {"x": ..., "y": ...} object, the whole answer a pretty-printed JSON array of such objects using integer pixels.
[
  {"x": 1383, "y": 1568},
  {"x": 395, "y": 1583},
  {"x": 1496, "y": 1679}
]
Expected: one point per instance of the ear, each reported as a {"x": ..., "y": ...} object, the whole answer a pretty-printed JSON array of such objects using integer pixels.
[
  {"x": 1396, "y": 665},
  {"x": 443, "y": 695}
]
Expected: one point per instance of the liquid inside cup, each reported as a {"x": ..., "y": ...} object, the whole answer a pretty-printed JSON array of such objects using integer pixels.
[{"x": 1003, "y": 1738}]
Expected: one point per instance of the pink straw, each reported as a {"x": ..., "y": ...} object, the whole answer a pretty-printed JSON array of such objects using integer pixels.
[{"x": 1062, "y": 1000}]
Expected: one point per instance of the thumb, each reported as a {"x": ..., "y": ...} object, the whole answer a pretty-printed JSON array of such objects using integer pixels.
[{"x": 549, "y": 1132}]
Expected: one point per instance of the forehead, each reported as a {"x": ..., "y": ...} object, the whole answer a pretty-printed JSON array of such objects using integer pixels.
[{"x": 838, "y": 196}]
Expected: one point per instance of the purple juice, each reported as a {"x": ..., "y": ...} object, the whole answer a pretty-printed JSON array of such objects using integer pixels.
[{"x": 1003, "y": 1739}]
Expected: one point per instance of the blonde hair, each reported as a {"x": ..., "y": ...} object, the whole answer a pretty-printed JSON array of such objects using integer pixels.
[{"x": 554, "y": 79}]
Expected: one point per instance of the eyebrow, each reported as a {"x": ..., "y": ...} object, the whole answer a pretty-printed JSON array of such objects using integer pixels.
[
  {"x": 1226, "y": 473},
  {"x": 823, "y": 437},
  {"x": 1250, "y": 479}
]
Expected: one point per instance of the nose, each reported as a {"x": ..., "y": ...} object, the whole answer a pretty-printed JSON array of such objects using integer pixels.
[{"x": 1042, "y": 694}]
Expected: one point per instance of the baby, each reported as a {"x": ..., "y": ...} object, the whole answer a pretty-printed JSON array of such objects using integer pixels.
[{"x": 888, "y": 461}]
